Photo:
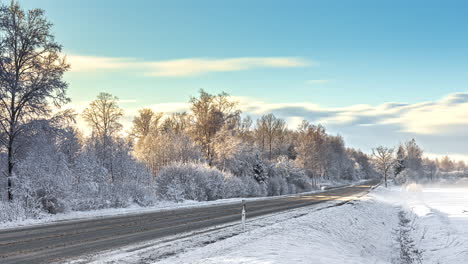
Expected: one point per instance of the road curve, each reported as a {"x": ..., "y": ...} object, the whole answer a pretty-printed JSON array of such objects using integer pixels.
[{"x": 61, "y": 241}]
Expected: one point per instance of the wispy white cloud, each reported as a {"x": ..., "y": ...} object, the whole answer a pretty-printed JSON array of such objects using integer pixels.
[
  {"x": 196, "y": 66},
  {"x": 80, "y": 63},
  {"x": 182, "y": 67}
]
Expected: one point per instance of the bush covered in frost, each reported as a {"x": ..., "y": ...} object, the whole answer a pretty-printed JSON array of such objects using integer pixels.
[{"x": 190, "y": 181}]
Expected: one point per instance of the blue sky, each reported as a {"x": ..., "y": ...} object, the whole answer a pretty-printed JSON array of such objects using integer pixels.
[{"x": 315, "y": 55}]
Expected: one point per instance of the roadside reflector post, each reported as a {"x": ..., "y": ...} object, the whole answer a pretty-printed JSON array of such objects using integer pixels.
[{"x": 243, "y": 215}]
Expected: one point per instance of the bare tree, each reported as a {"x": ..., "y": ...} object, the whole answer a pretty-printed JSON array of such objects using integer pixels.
[
  {"x": 210, "y": 114},
  {"x": 103, "y": 115},
  {"x": 461, "y": 165},
  {"x": 384, "y": 160},
  {"x": 31, "y": 71},
  {"x": 245, "y": 130},
  {"x": 176, "y": 123},
  {"x": 268, "y": 130},
  {"x": 431, "y": 167},
  {"x": 311, "y": 149},
  {"x": 145, "y": 122},
  {"x": 446, "y": 164}
]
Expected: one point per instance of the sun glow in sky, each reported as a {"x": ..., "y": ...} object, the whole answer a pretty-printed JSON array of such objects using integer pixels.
[{"x": 376, "y": 72}]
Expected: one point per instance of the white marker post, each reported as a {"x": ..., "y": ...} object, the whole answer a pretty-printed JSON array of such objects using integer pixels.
[{"x": 243, "y": 215}]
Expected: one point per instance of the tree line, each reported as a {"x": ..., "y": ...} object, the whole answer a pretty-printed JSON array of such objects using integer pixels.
[{"x": 407, "y": 164}]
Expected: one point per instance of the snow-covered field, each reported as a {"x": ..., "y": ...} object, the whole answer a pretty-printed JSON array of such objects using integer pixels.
[{"x": 441, "y": 226}]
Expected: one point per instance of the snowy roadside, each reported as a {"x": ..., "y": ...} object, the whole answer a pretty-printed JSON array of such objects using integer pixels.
[
  {"x": 159, "y": 250},
  {"x": 361, "y": 231},
  {"x": 136, "y": 209},
  {"x": 394, "y": 225}
]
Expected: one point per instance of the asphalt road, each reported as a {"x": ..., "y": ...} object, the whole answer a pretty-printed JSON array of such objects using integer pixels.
[{"x": 61, "y": 241}]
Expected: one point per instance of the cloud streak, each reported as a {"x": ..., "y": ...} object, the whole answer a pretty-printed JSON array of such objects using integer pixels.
[{"x": 182, "y": 67}]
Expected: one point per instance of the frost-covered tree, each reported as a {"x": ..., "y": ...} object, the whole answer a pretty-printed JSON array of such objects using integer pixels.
[
  {"x": 364, "y": 164},
  {"x": 461, "y": 166},
  {"x": 446, "y": 164},
  {"x": 413, "y": 155},
  {"x": 244, "y": 130},
  {"x": 269, "y": 131},
  {"x": 430, "y": 167},
  {"x": 167, "y": 141},
  {"x": 144, "y": 122},
  {"x": 103, "y": 115},
  {"x": 209, "y": 114},
  {"x": 176, "y": 123},
  {"x": 307, "y": 156},
  {"x": 339, "y": 165},
  {"x": 225, "y": 145},
  {"x": 400, "y": 160},
  {"x": 162, "y": 149},
  {"x": 31, "y": 71},
  {"x": 323, "y": 156},
  {"x": 383, "y": 160}
]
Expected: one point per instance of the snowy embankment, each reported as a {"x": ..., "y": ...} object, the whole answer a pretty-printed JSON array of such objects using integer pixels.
[
  {"x": 396, "y": 225},
  {"x": 361, "y": 231}
]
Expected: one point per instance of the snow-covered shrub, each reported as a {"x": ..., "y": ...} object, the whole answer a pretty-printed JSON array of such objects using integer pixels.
[
  {"x": 253, "y": 188},
  {"x": 247, "y": 162},
  {"x": 407, "y": 176},
  {"x": 234, "y": 187},
  {"x": 190, "y": 181},
  {"x": 44, "y": 179},
  {"x": 277, "y": 186},
  {"x": 295, "y": 178},
  {"x": 413, "y": 187},
  {"x": 198, "y": 181},
  {"x": 17, "y": 210}
]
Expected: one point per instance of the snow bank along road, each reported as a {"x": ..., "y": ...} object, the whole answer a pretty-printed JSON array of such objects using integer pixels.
[{"x": 61, "y": 241}]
